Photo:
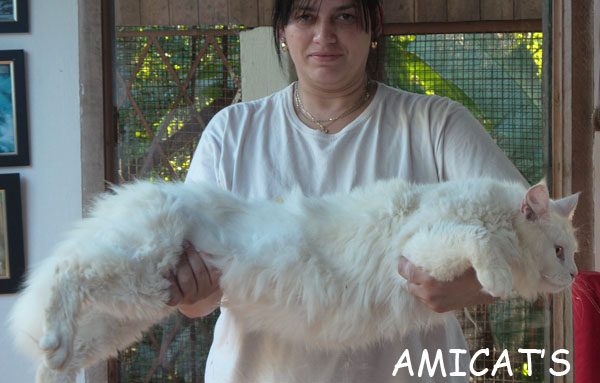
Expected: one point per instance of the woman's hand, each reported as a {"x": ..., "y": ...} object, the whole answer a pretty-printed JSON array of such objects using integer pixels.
[
  {"x": 443, "y": 296},
  {"x": 192, "y": 282}
]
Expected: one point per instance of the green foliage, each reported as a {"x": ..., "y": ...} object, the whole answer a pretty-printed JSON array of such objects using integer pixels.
[
  {"x": 496, "y": 76},
  {"x": 410, "y": 72},
  {"x": 170, "y": 79}
]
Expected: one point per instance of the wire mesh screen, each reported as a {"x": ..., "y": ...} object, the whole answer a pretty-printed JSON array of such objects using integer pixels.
[
  {"x": 169, "y": 83},
  {"x": 497, "y": 76},
  {"x": 174, "y": 351}
]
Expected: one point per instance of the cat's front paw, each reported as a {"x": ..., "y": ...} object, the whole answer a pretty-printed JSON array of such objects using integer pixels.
[
  {"x": 57, "y": 346},
  {"x": 498, "y": 283}
]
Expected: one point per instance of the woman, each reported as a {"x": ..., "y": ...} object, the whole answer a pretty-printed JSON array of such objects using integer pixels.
[{"x": 330, "y": 131}]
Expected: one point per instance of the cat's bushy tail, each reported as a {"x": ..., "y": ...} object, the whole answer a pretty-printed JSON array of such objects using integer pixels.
[{"x": 27, "y": 315}]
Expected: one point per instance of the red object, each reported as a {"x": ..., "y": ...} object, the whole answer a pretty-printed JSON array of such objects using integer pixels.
[{"x": 586, "y": 325}]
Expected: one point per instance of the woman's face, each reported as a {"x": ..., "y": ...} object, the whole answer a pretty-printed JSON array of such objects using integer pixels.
[{"x": 327, "y": 43}]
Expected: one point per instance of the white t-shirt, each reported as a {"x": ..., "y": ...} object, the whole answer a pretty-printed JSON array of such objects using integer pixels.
[{"x": 261, "y": 150}]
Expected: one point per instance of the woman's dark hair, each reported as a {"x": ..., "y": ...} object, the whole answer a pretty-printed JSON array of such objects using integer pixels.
[{"x": 372, "y": 19}]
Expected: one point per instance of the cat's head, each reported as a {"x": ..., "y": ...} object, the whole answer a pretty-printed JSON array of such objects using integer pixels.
[{"x": 552, "y": 238}]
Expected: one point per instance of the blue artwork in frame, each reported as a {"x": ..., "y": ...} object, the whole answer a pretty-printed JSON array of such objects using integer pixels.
[
  {"x": 14, "y": 16},
  {"x": 14, "y": 138}
]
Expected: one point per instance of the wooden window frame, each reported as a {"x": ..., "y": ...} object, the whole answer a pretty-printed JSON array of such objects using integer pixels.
[
  {"x": 96, "y": 122},
  {"x": 573, "y": 139}
]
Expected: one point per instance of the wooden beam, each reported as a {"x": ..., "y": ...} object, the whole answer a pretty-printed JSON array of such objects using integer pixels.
[
  {"x": 561, "y": 93},
  {"x": 399, "y": 11},
  {"x": 562, "y": 331},
  {"x": 582, "y": 108},
  {"x": 265, "y": 10},
  {"x": 243, "y": 12},
  {"x": 524, "y": 10},
  {"x": 431, "y": 11},
  {"x": 497, "y": 9},
  {"x": 183, "y": 12},
  {"x": 108, "y": 102},
  {"x": 252, "y": 13},
  {"x": 213, "y": 12},
  {"x": 463, "y": 10},
  {"x": 127, "y": 12},
  {"x": 465, "y": 27},
  {"x": 154, "y": 12}
]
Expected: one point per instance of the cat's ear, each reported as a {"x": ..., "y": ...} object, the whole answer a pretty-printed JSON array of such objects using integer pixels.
[
  {"x": 536, "y": 202},
  {"x": 567, "y": 205}
]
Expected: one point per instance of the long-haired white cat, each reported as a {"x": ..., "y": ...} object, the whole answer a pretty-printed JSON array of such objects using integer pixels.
[{"x": 320, "y": 271}]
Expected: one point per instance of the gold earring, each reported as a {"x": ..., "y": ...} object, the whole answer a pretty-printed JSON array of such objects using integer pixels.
[
  {"x": 284, "y": 46},
  {"x": 373, "y": 44}
]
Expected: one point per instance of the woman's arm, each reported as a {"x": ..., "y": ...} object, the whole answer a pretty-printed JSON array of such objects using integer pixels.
[{"x": 194, "y": 285}]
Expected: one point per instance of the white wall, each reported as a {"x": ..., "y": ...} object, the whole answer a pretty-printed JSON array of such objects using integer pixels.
[
  {"x": 259, "y": 57},
  {"x": 51, "y": 185}
]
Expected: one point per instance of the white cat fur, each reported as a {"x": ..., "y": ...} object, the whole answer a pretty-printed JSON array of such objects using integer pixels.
[{"x": 320, "y": 271}]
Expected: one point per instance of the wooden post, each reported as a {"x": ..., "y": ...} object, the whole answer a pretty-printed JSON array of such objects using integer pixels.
[
  {"x": 582, "y": 106},
  {"x": 573, "y": 135},
  {"x": 561, "y": 139}
]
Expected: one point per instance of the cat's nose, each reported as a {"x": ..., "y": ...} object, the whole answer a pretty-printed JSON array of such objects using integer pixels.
[{"x": 573, "y": 275}]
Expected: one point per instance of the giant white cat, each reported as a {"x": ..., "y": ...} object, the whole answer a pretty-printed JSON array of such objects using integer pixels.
[{"x": 320, "y": 271}]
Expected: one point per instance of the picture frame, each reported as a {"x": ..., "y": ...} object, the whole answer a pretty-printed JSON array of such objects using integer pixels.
[
  {"x": 14, "y": 138},
  {"x": 12, "y": 253},
  {"x": 14, "y": 16}
]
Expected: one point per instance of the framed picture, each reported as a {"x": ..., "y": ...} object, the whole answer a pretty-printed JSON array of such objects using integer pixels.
[
  {"x": 14, "y": 16},
  {"x": 12, "y": 254},
  {"x": 14, "y": 140}
]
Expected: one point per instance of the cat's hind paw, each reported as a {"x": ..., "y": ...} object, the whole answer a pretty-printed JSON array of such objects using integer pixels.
[
  {"x": 57, "y": 349},
  {"x": 498, "y": 283}
]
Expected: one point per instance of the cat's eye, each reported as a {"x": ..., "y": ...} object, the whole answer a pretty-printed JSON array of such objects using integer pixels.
[{"x": 560, "y": 254}]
